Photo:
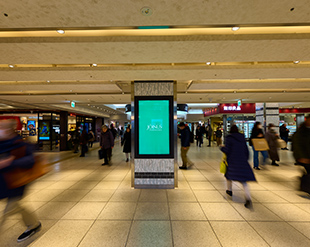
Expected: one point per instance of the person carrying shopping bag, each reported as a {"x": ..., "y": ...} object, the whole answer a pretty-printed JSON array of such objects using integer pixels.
[{"x": 238, "y": 167}]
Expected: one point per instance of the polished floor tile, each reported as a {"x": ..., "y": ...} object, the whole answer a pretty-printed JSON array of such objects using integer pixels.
[
  {"x": 150, "y": 234},
  {"x": 193, "y": 233},
  {"x": 280, "y": 234},
  {"x": 236, "y": 234},
  {"x": 107, "y": 233},
  {"x": 81, "y": 203}
]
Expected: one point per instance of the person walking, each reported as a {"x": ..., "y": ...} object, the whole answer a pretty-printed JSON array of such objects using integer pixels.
[
  {"x": 257, "y": 132},
  {"x": 126, "y": 142},
  {"x": 210, "y": 133},
  {"x": 199, "y": 135},
  {"x": 301, "y": 152},
  {"x": 185, "y": 144},
  {"x": 284, "y": 134},
  {"x": 272, "y": 140},
  {"x": 15, "y": 154},
  {"x": 76, "y": 140},
  {"x": 83, "y": 143},
  {"x": 218, "y": 135},
  {"x": 91, "y": 138},
  {"x": 106, "y": 143},
  {"x": 238, "y": 168}
]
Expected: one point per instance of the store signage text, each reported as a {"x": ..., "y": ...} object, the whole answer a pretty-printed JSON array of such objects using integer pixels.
[{"x": 232, "y": 108}]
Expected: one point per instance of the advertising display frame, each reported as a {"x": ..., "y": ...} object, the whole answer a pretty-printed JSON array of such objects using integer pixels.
[{"x": 170, "y": 100}]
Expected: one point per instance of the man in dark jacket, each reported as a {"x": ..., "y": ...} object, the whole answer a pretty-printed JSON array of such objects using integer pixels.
[
  {"x": 199, "y": 135},
  {"x": 14, "y": 153},
  {"x": 185, "y": 144},
  {"x": 284, "y": 134},
  {"x": 301, "y": 151},
  {"x": 83, "y": 142},
  {"x": 106, "y": 144}
]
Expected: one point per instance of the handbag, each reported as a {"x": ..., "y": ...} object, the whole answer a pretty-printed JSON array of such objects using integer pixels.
[
  {"x": 224, "y": 164},
  {"x": 260, "y": 144},
  {"x": 281, "y": 143},
  {"x": 18, "y": 177},
  {"x": 100, "y": 154}
]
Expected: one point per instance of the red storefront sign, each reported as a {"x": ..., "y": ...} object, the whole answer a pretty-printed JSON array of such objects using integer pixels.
[
  {"x": 294, "y": 110},
  {"x": 231, "y": 109}
]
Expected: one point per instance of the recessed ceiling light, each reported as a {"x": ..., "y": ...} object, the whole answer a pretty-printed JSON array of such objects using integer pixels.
[
  {"x": 60, "y": 31},
  {"x": 208, "y": 63},
  {"x": 48, "y": 81},
  {"x": 296, "y": 61},
  {"x": 88, "y": 104},
  {"x": 11, "y": 66},
  {"x": 94, "y": 65},
  {"x": 235, "y": 28},
  {"x": 70, "y": 90}
]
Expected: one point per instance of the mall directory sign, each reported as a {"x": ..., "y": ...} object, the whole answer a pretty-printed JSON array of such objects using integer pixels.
[{"x": 154, "y": 127}]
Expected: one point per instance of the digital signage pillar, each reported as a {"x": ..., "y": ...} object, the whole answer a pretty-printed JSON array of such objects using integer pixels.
[{"x": 154, "y": 127}]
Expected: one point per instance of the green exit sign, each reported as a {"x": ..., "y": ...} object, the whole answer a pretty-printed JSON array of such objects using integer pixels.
[
  {"x": 72, "y": 104},
  {"x": 239, "y": 102}
]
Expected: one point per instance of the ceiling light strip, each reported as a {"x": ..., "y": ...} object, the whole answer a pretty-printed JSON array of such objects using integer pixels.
[
  {"x": 171, "y": 31},
  {"x": 206, "y": 64}
]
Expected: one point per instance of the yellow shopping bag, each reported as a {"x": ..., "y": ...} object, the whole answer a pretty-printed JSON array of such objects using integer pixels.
[{"x": 223, "y": 165}]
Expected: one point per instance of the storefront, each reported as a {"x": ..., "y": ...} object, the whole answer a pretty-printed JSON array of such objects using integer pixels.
[
  {"x": 225, "y": 115},
  {"x": 292, "y": 117}
]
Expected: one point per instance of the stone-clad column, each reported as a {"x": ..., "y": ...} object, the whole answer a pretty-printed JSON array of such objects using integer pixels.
[{"x": 153, "y": 172}]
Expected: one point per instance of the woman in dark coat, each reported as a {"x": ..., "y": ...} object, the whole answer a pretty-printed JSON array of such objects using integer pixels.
[
  {"x": 238, "y": 168},
  {"x": 126, "y": 142},
  {"x": 272, "y": 139},
  {"x": 14, "y": 153}
]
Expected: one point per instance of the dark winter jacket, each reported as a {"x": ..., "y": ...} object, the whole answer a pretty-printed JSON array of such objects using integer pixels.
[
  {"x": 84, "y": 138},
  {"x": 106, "y": 139},
  {"x": 301, "y": 143},
  {"x": 237, "y": 152},
  {"x": 218, "y": 133},
  {"x": 127, "y": 142},
  {"x": 254, "y": 134},
  {"x": 185, "y": 136},
  {"x": 272, "y": 141},
  {"x": 283, "y": 132},
  {"x": 24, "y": 158}
]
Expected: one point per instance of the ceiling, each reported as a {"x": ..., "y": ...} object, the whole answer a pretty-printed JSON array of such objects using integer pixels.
[{"x": 190, "y": 42}]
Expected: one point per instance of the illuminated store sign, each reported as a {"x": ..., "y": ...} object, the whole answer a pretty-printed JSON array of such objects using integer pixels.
[{"x": 232, "y": 108}]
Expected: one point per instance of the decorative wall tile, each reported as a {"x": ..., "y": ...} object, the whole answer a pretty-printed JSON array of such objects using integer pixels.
[
  {"x": 154, "y": 165},
  {"x": 153, "y": 88}
]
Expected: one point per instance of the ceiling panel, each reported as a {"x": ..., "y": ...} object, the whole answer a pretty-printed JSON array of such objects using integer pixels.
[{"x": 72, "y": 13}]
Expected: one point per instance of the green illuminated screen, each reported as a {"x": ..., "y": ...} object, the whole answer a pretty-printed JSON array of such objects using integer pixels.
[{"x": 154, "y": 127}]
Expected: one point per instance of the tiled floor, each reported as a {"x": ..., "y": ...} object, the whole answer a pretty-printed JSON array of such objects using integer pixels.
[{"x": 82, "y": 203}]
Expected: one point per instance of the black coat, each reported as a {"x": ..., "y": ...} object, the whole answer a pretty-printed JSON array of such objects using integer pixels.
[
  {"x": 237, "y": 152},
  {"x": 254, "y": 135},
  {"x": 106, "y": 139},
  {"x": 127, "y": 142},
  {"x": 25, "y": 160}
]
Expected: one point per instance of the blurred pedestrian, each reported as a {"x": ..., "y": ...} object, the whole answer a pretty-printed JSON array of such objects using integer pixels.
[
  {"x": 185, "y": 144},
  {"x": 126, "y": 142},
  {"x": 238, "y": 168},
  {"x": 91, "y": 138},
  {"x": 83, "y": 143},
  {"x": 272, "y": 140},
  {"x": 199, "y": 135},
  {"x": 301, "y": 152},
  {"x": 76, "y": 140},
  {"x": 210, "y": 133},
  {"x": 106, "y": 144},
  {"x": 257, "y": 132},
  {"x": 284, "y": 134},
  {"x": 14, "y": 153},
  {"x": 218, "y": 135}
]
